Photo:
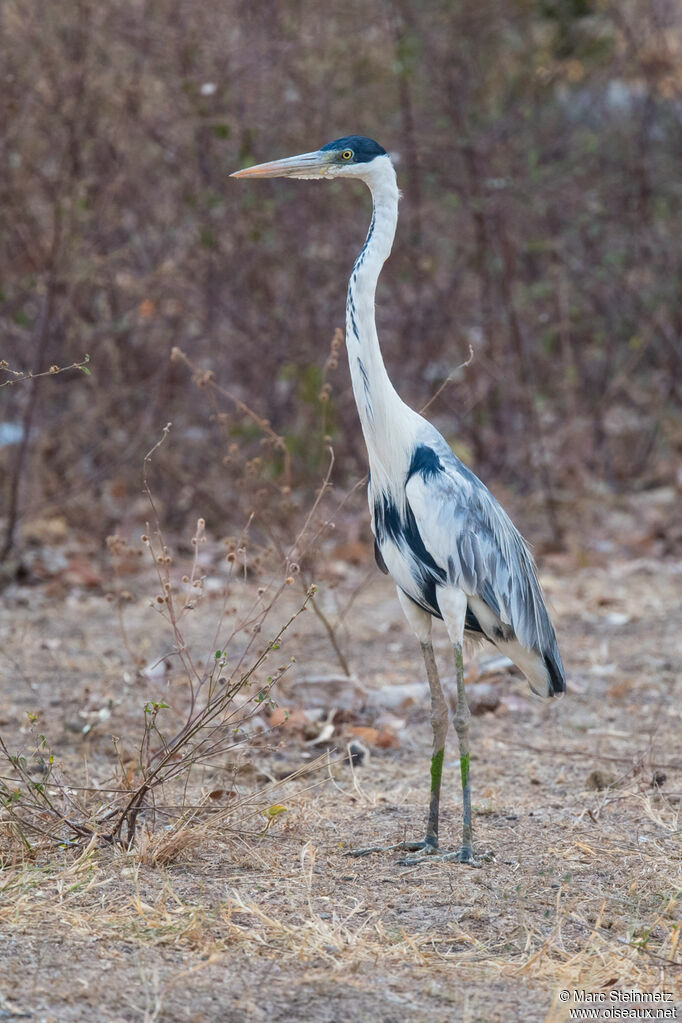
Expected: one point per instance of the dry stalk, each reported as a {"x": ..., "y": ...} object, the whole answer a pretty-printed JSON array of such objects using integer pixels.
[
  {"x": 214, "y": 714},
  {"x": 19, "y": 375},
  {"x": 205, "y": 378}
]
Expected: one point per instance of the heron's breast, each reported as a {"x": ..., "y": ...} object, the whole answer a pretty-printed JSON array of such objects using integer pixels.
[{"x": 401, "y": 566}]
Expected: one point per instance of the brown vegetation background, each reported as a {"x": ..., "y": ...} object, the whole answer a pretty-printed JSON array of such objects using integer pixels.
[
  {"x": 186, "y": 757},
  {"x": 538, "y": 146}
]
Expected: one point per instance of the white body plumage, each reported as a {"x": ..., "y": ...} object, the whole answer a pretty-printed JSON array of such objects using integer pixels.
[
  {"x": 441, "y": 535},
  {"x": 435, "y": 524}
]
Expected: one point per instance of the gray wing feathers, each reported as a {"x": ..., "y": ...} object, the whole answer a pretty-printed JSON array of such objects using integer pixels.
[{"x": 471, "y": 537}]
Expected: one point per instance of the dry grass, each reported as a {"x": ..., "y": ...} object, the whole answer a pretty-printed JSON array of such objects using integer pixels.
[
  {"x": 610, "y": 920},
  {"x": 247, "y": 905}
]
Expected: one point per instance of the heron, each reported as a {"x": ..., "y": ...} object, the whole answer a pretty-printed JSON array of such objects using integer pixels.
[{"x": 450, "y": 548}]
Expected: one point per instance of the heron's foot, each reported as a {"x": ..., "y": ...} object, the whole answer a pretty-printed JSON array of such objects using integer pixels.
[
  {"x": 425, "y": 847},
  {"x": 463, "y": 855}
]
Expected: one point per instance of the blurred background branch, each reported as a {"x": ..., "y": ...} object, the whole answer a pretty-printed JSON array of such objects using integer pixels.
[{"x": 539, "y": 144}]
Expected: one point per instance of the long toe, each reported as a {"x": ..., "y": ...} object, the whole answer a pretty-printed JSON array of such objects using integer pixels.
[
  {"x": 463, "y": 855},
  {"x": 368, "y": 850},
  {"x": 425, "y": 847},
  {"x": 424, "y": 851}
]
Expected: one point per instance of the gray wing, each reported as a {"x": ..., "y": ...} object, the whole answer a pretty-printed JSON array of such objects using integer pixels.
[{"x": 474, "y": 541}]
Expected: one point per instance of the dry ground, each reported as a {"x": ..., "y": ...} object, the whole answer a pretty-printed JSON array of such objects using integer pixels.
[{"x": 578, "y": 799}]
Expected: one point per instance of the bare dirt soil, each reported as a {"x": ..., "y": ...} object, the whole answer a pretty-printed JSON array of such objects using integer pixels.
[{"x": 268, "y": 919}]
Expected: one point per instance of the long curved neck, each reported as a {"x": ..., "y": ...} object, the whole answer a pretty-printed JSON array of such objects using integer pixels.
[{"x": 386, "y": 421}]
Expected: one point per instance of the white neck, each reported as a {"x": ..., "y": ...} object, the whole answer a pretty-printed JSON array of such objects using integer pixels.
[{"x": 387, "y": 423}]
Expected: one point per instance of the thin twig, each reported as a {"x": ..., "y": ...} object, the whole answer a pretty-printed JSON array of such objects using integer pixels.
[
  {"x": 207, "y": 379},
  {"x": 20, "y": 375},
  {"x": 448, "y": 380}
]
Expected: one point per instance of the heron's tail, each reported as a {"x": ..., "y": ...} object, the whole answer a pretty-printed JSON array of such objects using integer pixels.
[
  {"x": 555, "y": 672},
  {"x": 543, "y": 669}
]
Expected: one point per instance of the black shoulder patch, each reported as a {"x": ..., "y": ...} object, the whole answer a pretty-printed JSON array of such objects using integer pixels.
[
  {"x": 386, "y": 519},
  {"x": 414, "y": 541},
  {"x": 426, "y": 461}
]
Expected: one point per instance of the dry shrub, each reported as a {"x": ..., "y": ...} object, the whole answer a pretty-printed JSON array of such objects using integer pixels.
[
  {"x": 538, "y": 147},
  {"x": 222, "y": 691}
]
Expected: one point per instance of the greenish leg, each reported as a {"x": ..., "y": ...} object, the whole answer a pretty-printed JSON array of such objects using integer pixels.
[
  {"x": 434, "y": 803},
  {"x": 440, "y": 720},
  {"x": 461, "y": 721},
  {"x": 462, "y": 718},
  {"x": 453, "y": 605}
]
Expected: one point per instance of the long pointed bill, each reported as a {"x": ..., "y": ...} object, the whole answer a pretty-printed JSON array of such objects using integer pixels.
[{"x": 308, "y": 165}]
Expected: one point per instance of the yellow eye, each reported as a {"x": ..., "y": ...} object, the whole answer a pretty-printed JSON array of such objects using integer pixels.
[{"x": 347, "y": 154}]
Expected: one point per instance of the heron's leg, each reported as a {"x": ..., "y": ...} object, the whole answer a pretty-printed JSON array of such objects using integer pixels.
[
  {"x": 421, "y": 625},
  {"x": 440, "y": 720},
  {"x": 453, "y": 605},
  {"x": 462, "y": 718}
]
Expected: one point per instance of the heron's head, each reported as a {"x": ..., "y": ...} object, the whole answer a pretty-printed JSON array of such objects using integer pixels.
[{"x": 350, "y": 157}]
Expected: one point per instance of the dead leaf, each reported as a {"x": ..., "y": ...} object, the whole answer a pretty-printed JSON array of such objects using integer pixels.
[
  {"x": 386, "y": 739},
  {"x": 279, "y": 716},
  {"x": 283, "y": 717},
  {"x": 382, "y": 738}
]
